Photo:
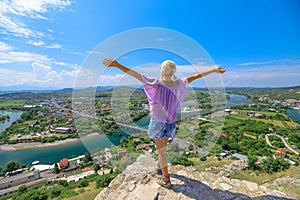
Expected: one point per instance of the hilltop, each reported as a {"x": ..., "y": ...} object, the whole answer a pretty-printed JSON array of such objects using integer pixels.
[{"x": 138, "y": 182}]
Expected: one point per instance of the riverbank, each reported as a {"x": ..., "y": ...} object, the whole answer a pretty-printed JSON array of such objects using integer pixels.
[{"x": 33, "y": 145}]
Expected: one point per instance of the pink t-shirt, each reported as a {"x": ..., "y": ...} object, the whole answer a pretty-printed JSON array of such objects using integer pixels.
[{"x": 164, "y": 100}]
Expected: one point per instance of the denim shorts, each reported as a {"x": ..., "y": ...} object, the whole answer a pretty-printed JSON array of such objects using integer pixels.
[{"x": 159, "y": 130}]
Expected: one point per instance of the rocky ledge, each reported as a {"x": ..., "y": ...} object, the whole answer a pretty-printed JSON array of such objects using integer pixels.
[{"x": 138, "y": 182}]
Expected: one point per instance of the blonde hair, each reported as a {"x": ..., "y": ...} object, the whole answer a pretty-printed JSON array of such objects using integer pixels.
[{"x": 169, "y": 68}]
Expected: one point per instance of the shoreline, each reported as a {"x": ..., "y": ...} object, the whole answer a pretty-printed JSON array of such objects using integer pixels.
[{"x": 34, "y": 145}]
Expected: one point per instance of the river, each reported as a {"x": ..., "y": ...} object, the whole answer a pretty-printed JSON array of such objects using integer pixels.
[
  {"x": 294, "y": 114},
  {"x": 13, "y": 117},
  {"x": 237, "y": 99},
  {"x": 52, "y": 154}
]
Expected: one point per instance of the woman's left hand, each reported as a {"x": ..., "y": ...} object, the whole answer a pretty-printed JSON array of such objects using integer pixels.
[{"x": 220, "y": 70}]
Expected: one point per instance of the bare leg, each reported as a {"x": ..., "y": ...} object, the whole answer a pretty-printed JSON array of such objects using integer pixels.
[{"x": 161, "y": 146}]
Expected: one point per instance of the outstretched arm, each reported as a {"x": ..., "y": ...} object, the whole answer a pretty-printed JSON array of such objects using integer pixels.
[
  {"x": 109, "y": 62},
  {"x": 199, "y": 75}
]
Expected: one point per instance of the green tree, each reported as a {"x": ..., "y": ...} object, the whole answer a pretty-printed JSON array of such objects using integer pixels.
[
  {"x": 203, "y": 158},
  {"x": 83, "y": 183},
  {"x": 183, "y": 160},
  {"x": 81, "y": 165},
  {"x": 96, "y": 167},
  {"x": 123, "y": 142},
  {"x": 87, "y": 157},
  {"x": 104, "y": 180},
  {"x": 32, "y": 194},
  {"x": 22, "y": 189},
  {"x": 56, "y": 170},
  {"x": 1, "y": 170},
  {"x": 55, "y": 191},
  {"x": 251, "y": 162},
  {"x": 26, "y": 116},
  {"x": 11, "y": 166},
  {"x": 271, "y": 165},
  {"x": 63, "y": 183}
]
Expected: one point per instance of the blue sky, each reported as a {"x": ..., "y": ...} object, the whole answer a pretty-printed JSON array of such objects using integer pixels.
[{"x": 44, "y": 42}]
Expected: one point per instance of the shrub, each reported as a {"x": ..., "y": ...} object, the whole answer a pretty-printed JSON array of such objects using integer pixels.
[
  {"x": 104, "y": 180},
  {"x": 203, "y": 158},
  {"x": 251, "y": 162},
  {"x": 183, "y": 160},
  {"x": 22, "y": 189},
  {"x": 83, "y": 183},
  {"x": 271, "y": 165}
]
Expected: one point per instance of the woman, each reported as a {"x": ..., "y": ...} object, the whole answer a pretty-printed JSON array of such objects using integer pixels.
[{"x": 164, "y": 96}]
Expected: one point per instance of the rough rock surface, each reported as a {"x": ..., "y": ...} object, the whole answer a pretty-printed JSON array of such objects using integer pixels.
[{"x": 138, "y": 182}]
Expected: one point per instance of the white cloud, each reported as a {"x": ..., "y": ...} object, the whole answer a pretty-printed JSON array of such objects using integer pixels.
[
  {"x": 11, "y": 57},
  {"x": 14, "y": 78},
  {"x": 110, "y": 80},
  {"x": 36, "y": 43},
  {"x": 264, "y": 76},
  {"x": 79, "y": 53},
  {"x": 16, "y": 18},
  {"x": 7, "y": 57},
  {"x": 270, "y": 62},
  {"x": 41, "y": 75},
  {"x": 40, "y": 70},
  {"x": 5, "y": 47},
  {"x": 17, "y": 28},
  {"x": 255, "y": 63},
  {"x": 13, "y": 13},
  {"x": 34, "y": 8},
  {"x": 95, "y": 52},
  {"x": 54, "y": 46}
]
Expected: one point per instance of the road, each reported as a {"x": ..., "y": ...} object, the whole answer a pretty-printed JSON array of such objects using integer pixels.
[
  {"x": 267, "y": 140},
  {"x": 287, "y": 145},
  {"x": 283, "y": 140}
]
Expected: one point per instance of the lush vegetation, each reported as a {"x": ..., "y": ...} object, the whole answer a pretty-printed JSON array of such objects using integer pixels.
[
  {"x": 244, "y": 133},
  {"x": 272, "y": 93},
  {"x": 4, "y": 118},
  {"x": 272, "y": 165},
  {"x": 61, "y": 189},
  {"x": 11, "y": 167}
]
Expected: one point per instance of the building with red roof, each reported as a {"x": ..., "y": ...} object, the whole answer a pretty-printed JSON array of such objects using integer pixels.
[{"x": 64, "y": 163}]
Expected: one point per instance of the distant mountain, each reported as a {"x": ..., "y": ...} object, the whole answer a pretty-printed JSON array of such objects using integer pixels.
[
  {"x": 98, "y": 89},
  {"x": 26, "y": 88},
  {"x": 65, "y": 90},
  {"x": 9, "y": 89},
  {"x": 261, "y": 88}
]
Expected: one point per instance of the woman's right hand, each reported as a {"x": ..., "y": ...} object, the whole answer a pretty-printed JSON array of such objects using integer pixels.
[{"x": 109, "y": 62}]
